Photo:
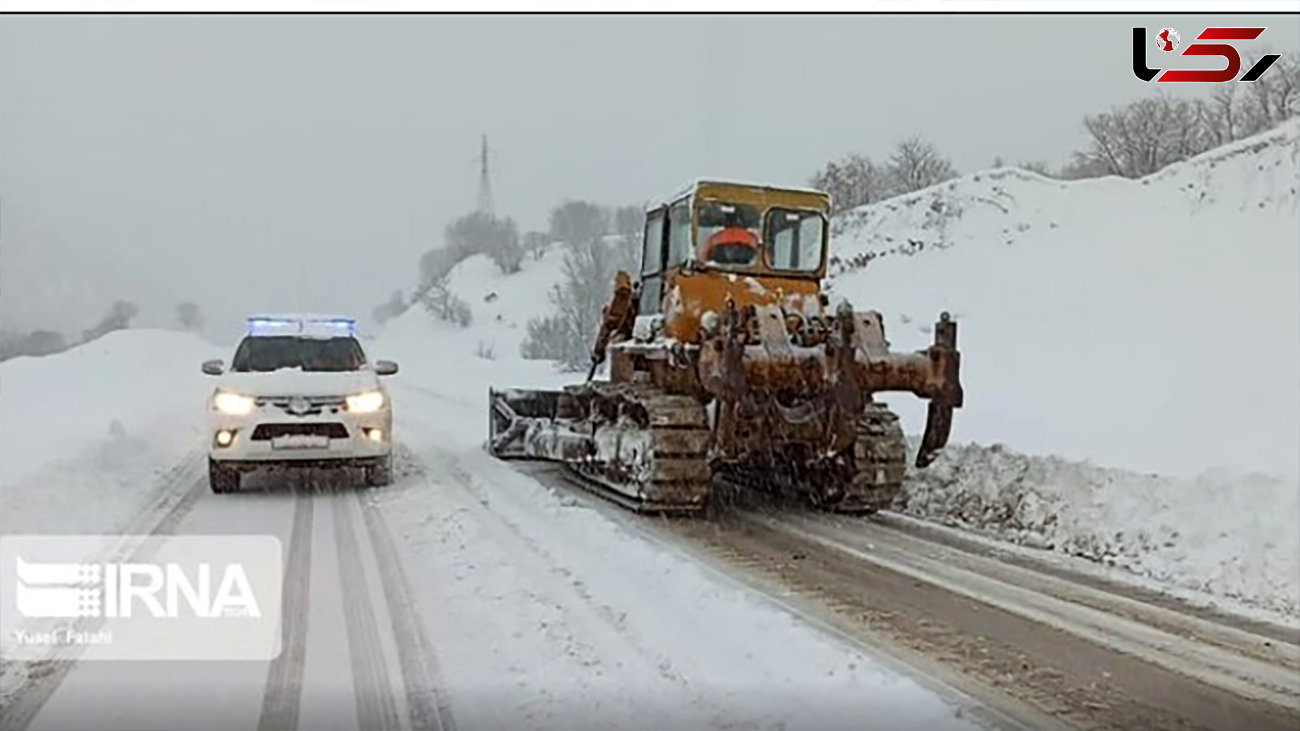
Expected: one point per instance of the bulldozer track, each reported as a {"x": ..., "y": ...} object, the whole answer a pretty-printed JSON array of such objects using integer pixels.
[
  {"x": 673, "y": 475},
  {"x": 868, "y": 481}
]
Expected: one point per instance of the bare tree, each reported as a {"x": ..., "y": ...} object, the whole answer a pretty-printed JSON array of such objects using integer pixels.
[
  {"x": 1036, "y": 166},
  {"x": 394, "y": 307},
  {"x": 438, "y": 300},
  {"x": 629, "y": 222},
  {"x": 504, "y": 247},
  {"x": 118, "y": 317},
  {"x": 1142, "y": 137},
  {"x": 35, "y": 344},
  {"x": 1272, "y": 98},
  {"x": 579, "y": 300},
  {"x": 483, "y": 233},
  {"x": 189, "y": 316},
  {"x": 852, "y": 181},
  {"x": 534, "y": 243},
  {"x": 916, "y": 164},
  {"x": 578, "y": 222},
  {"x": 1224, "y": 113}
]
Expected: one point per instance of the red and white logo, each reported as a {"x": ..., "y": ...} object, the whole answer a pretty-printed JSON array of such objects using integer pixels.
[{"x": 1167, "y": 39}]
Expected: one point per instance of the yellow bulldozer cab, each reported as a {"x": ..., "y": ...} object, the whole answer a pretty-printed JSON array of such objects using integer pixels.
[{"x": 754, "y": 244}]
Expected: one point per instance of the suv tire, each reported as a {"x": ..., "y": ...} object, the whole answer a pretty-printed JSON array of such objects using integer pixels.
[
  {"x": 380, "y": 472},
  {"x": 222, "y": 479}
]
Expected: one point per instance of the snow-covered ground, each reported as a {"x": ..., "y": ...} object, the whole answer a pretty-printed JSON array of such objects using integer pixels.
[
  {"x": 85, "y": 434},
  {"x": 564, "y": 618},
  {"x": 542, "y": 612},
  {"x": 1138, "y": 338},
  {"x": 91, "y": 436},
  {"x": 1133, "y": 343}
]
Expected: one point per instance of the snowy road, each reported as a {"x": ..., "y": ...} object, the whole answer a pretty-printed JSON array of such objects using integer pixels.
[
  {"x": 469, "y": 596},
  {"x": 1034, "y": 637},
  {"x": 349, "y": 660},
  {"x": 476, "y": 594}
]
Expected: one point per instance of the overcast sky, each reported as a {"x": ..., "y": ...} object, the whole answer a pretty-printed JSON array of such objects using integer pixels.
[{"x": 306, "y": 161}]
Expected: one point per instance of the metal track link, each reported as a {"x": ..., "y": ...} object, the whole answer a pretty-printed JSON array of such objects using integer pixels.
[
  {"x": 678, "y": 478},
  {"x": 879, "y": 462}
]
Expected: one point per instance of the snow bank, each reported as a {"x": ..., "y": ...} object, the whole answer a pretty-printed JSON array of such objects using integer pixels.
[
  {"x": 1147, "y": 325},
  {"x": 85, "y": 434},
  {"x": 1223, "y": 534}
]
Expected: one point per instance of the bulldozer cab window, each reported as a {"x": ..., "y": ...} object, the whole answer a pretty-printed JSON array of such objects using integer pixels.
[
  {"x": 652, "y": 255},
  {"x": 652, "y": 262},
  {"x": 679, "y": 233},
  {"x": 729, "y": 233},
  {"x": 796, "y": 239}
]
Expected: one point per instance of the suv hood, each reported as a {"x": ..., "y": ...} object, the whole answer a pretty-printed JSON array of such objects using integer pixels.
[{"x": 295, "y": 382}]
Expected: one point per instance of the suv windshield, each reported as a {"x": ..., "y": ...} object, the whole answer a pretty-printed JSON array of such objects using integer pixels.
[{"x": 269, "y": 353}]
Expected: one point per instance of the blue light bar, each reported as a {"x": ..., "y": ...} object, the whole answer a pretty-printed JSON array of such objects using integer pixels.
[{"x": 304, "y": 325}]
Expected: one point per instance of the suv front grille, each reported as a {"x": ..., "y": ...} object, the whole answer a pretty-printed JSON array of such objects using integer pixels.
[
  {"x": 315, "y": 405},
  {"x": 333, "y": 430}
]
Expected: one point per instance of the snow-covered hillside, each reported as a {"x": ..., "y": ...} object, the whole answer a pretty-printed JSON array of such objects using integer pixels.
[
  {"x": 1147, "y": 324},
  {"x": 1144, "y": 333},
  {"x": 1132, "y": 342},
  {"x": 84, "y": 434}
]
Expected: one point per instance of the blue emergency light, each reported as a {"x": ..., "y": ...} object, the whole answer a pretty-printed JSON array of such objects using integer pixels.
[{"x": 306, "y": 325}]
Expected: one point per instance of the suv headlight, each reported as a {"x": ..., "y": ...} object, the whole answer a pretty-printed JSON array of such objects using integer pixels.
[
  {"x": 366, "y": 402},
  {"x": 232, "y": 403}
]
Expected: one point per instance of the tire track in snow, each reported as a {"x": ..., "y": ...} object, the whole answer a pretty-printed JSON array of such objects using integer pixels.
[
  {"x": 160, "y": 518},
  {"x": 283, "y": 696},
  {"x": 663, "y": 666},
  {"x": 377, "y": 707},
  {"x": 426, "y": 696}
]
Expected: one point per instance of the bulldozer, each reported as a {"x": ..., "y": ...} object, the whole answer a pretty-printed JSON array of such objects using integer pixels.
[{"x": 727, "y": 361}]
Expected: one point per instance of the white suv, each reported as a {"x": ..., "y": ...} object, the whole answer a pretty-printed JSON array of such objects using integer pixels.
[{"x": 299, "y": 393}]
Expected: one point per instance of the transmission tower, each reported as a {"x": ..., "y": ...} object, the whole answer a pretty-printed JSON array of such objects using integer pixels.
[{"x": 484, "y": 181}]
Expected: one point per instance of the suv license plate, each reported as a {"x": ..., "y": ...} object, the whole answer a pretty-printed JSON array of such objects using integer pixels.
[{"x": 300, "y": 441}]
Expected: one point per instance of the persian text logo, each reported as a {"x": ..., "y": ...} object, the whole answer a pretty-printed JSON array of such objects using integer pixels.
[
  {"x": 121, "y": 589},
  {"x": 141, "y": 597},
  {"x": 1167, "y": 40}
]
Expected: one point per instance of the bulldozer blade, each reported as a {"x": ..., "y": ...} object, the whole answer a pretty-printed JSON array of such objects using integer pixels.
[{"x": 528, "y": 425}]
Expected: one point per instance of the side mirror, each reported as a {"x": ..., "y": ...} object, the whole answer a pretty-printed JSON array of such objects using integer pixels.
[
  {"x": 213, "y": 367},
  {"x": 385, "y": 367}
]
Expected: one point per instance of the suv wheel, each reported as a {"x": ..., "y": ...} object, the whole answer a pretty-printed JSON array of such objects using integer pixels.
[
  {"x": 380, "y": 472},
  {"x": 222, "y": 479}
]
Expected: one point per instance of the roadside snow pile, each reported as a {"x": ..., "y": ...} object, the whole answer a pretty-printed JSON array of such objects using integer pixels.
[
  {"x": 1220, "y": 533},
  {"x": 1146, "y": 325},
  {"x": 85, "y": 434}
]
